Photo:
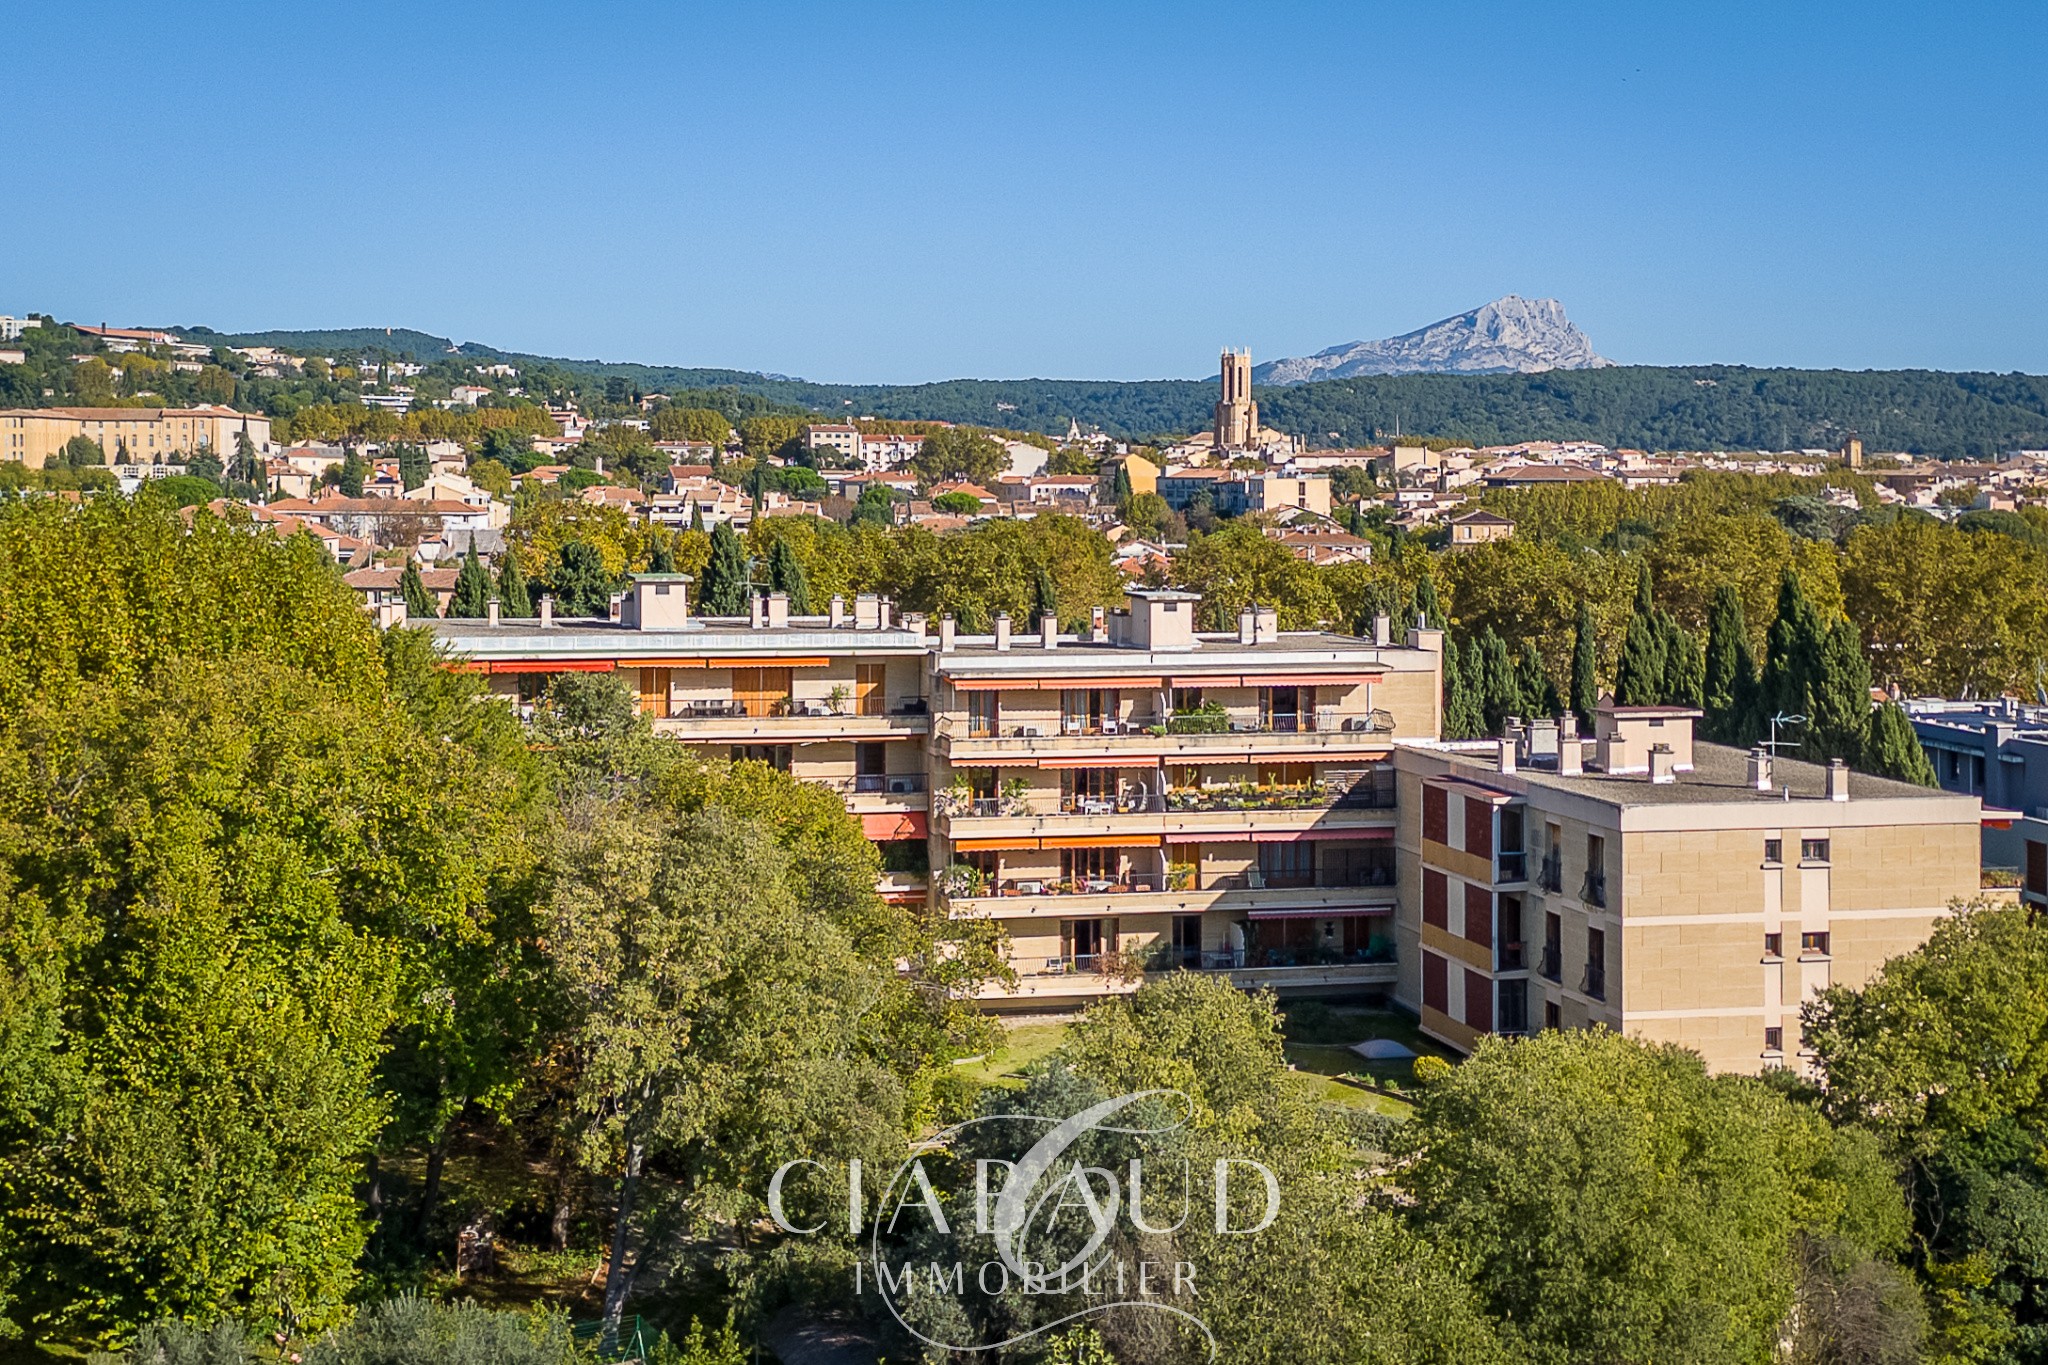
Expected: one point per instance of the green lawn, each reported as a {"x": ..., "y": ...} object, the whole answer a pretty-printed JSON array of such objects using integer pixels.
[{"x": 1024, "y": 1042}]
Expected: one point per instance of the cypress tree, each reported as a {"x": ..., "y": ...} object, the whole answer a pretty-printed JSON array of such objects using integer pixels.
[
  {"x": 417, "y": 603},
  {"x": 1895, "y": 750},
  {"x": 663, "y": 560},
  {"x": 725, "y": 586},
  {"x": 1684, "y": 669},
  {"x": 696, "y": 516},
  {"x": 1426, "y": 605},
  {"x": 1639, "y": 673},
  {"x": 1585, "y": 686},
  {"x": 1045, "y": 597},
  {"x": 513, "y": 598},
  {"x": 472, "y": 587},
  {"x": 1461, "y": 698},
  {"x": 1539, "y": 693},
  {"x": 786, "y": 575},
  {"x": 1841, "y": 698},
  {"x": 1120, "y": 486},
  {"x": 1792, "y": 658},
  {"x": 1729, "y": 684},
  {"x": 1501, "y": 695}
]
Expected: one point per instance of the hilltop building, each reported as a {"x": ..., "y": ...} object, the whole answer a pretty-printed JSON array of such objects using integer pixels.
[{"x": 34, "y": 436}]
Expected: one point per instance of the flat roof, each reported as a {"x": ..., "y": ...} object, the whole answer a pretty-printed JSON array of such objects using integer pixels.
[
  {"x": 589, "y": 638},
  {"x": 1719, "y": 776}
]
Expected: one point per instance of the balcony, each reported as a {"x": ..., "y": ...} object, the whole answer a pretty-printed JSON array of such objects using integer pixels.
[
  {"x": 1595, "y": 983},
  {"x": 1000, "y": 817},
  {"x": 1511, "y": 867},
  {"x": 1509, "y": 956},
  {"x": 1156, "y": 893},
  {"x": 881, "y": 793},
  {"x": 962, "y": 741},
  {"x": 790, "y": 720},
  {"x": 1550, "y": 876},
  {"x": 1594, "y": 889},
  {"x": 1117, "y": 974},
  {"x": 1551, "y": 964}
]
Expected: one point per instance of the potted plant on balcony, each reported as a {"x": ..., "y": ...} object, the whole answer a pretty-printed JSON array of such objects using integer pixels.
[
  {"x": 837, "y": 698},
  {"x": 1207, "y": 719},
  {"x": 1016, "y": 794},
  {"x": 964, "y": 880},
  {"x": 1180, "y": 878}
]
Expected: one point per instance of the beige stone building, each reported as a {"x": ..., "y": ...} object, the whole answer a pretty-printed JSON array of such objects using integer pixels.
[
  {"x": 1237, "y": 416},
  {"x": 34, "y": 436},
  {"x": 1679, "y": 892}
]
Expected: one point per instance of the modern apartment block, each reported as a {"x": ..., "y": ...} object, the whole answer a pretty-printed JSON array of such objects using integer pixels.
[
  {"x": 1147, "y": 797},
  {"x": 1996, "y": 750},
  {"x": 1680, "y": 892},
  {"x": 838, "y": 699},
  {"x": 1277, "y": 807}
]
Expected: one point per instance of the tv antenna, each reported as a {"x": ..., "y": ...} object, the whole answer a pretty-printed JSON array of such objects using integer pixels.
[{"x": 1775, "y": 743}]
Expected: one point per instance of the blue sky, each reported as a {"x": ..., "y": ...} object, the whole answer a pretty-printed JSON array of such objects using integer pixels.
[{"x": 895, "y": 193}]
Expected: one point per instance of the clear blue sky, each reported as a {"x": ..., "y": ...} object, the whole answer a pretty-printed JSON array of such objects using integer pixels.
[{"x": 881, "y": 192}]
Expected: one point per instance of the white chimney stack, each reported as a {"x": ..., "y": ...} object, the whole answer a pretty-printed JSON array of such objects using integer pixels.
[
  {"x": 1571, "y": 757},
  {"x": 1838, "y": 780},
  {"x": 1760, "y": 769},
  {"x": 948, "y": 630},
  {"x": 757, "y": 610},
  {"x": 1049, "y": 631},
  {"x": 1660, "y": 765},
  {"x": 778, "y": 610},
  {"x": 491, "y": 612},
  {"x": 1383, "y": 630},
  {"x": 1245, "y": 620},
  {"x": 838, "y": 611},
  {"x": 1506, "y": 751},
  {"x": 1003, "y": 631},
  {"x": 547, "y": 611}
]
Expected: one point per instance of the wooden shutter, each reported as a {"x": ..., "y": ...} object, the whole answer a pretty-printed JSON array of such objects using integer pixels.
[{"x": 870, "y": 698}]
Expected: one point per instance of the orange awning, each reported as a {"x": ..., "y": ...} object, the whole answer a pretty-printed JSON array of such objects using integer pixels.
[
  {"x": 1100, "y": 841},
  {"x": 662, "y": 663},
  {"x": 903, "y": 825},
  {"x": 1308, "y": 679},
  {"x": 553, "y": 665},
  {"x": 994, "y": 845},
  {"x": 769, "y": 663},
  {"x": 1046, "y": 684}
]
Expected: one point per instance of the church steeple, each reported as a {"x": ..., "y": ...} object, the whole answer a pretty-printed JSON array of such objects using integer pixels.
[{"x": 1237, "y": 416}]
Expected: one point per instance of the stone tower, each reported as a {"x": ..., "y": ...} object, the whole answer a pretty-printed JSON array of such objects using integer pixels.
[
  {"x": 1237, "y": 416},
  {"x": 1852, "y": 451}
]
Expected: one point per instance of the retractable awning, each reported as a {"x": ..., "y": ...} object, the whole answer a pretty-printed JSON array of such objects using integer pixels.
[{"x": 1319, "y": 914}]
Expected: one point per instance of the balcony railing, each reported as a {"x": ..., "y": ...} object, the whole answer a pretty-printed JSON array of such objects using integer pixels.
[
  {"x": 1596, "y": 981},
  {"x": 1594, "y": 891},
  {"x": 1154, "y": 725},
  {"x": 1231, "y": 960},
  {"x": 1508, "y": 957},
  {"x": 894, "y": 784},
  {"x": 1551, "y": 875},
  {"x": 1511, "y": 867},
  {"x": 1551, "y": 964}
]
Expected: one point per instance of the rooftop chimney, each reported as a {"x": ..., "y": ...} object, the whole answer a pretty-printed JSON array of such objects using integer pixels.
[
  {"x": 491, "y": 612},
  {"x": 1382, "y": 630},
  {"x": 1571, "y": 757},
  {"x": 390, "y": 614},
  {"x": 1265, "y": 624},
  {"x": 616, "y": 607},
  {"x": 1660, "y": 764},
  {"x": 1760, "y": 769},
  {"x": 757, "y": 610},
  {"x": 547, "y": 611},
  {"x": 1568, "y": 726},
  {"x": 1838, "y": 780},
  {"x": 1098, "y": 625},
  {"x": 1245, "y": 619},
  {"x": 838, "y": 611},
  {"x": 884, "y": 609},
  {"x": 778, "y": 611},
  {"x": 1003, "y": 631},
  {"x": 913, "y": 621},
  {"x": 1049, "y": 631},
  {"x": 947, "y": 630},
  {"x": 1506, "y": 751},
  {"x": 867, "y": 611}
]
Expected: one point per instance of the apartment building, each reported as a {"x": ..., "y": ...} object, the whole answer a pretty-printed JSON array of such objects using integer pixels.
[
  {"x": 837, "y": 699},
  {"x": 1677, "y": 891},
  {"x": 34, "y": 436},
  {"x": 2032, "y": 835},
  {"x": 1994, "y": 749},
  {"x": 1142, "y": 796}
]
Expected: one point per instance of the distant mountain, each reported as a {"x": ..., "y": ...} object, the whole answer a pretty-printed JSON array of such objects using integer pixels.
[{"x": 1511, "y": 335}]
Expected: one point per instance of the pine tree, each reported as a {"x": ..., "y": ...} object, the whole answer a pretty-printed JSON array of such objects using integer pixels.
[
  {"x": 1426, "y": 606},
  {"x": 663, "y": 559},
  {"x": 417, "y": 603},
  {"x": 513, "y": 598},
  {"x": 725, "y": 585},
  {"x": 1729, "y": 684},
  {"x": 580, "y": 583},
  {"x": 1585, "y": 686},
  {"x": 786, "y": 575},
  {"x": 1895, "y": 750},
  {"x": 472, "y": 588},
  {"x": 1792, "y": 658},
  {"x": 1841, "y": 698},
  {"x": 1539, "y": 693}
]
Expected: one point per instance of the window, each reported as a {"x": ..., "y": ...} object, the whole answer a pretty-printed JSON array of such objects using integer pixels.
[
  {"x": 775, "y": 756},
  {"x": 984, "y": 714},
  {"x": 1187, "y": 939},
  {"x": 1552, "y": 965},
  {"x": 2037, "y": 867},
  {"x": 1813, "y": 945},
  {"x": 1552, "y": 1016},
  {"x": 1774, "y": 850},
  {"x": 1774, "y": 945},
  {"x": 1596, "y": 963},
  {"x": 1514, "y": 1007},
  {"x": 1289, "y": 864},
  {"x": 1774, "y": 1040},
  {"x": 1813, "y": 850},
  {"x": 1595, "y": 890}
]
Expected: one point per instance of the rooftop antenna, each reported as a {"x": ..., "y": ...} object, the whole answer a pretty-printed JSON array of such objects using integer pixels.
[{"x": 1775, "y": 743}]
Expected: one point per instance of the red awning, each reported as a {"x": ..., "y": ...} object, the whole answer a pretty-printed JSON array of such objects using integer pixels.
[
  {"x": 1297, "y": 836},
  {"x": 1046, "y": 684},
  {"x": 904, "y": 825}
]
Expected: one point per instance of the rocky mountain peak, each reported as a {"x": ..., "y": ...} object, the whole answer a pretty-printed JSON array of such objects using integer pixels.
[{"x": 1511, "y": 335}]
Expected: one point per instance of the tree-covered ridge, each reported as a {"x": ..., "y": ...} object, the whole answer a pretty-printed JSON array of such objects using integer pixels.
[{"x": 1698, "y": 407}]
